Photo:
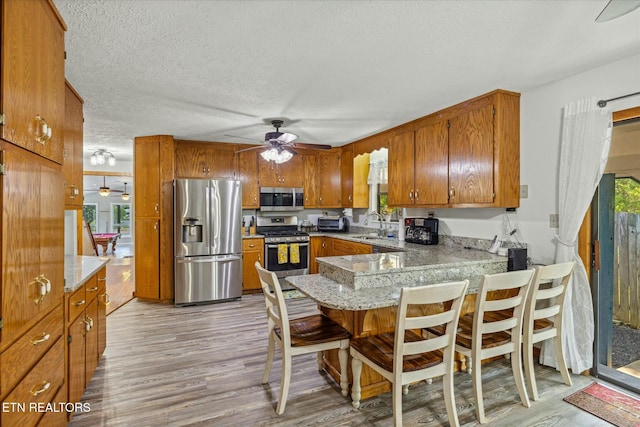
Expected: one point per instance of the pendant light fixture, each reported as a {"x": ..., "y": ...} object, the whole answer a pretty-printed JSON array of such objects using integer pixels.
[
  {"x": 125, "y": 195},
  {"x": 104, "y": 191},
  {"x": 102, "y": 156}
]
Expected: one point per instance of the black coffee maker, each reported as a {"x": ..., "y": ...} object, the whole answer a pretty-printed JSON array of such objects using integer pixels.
[{"x": 421, "y": 230}]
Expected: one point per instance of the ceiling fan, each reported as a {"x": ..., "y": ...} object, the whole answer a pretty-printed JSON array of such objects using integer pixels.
[
  {"x": 280, "y": 144},
  {"x": 617, "y": 8},
  {"x": 106, "y": 191}
]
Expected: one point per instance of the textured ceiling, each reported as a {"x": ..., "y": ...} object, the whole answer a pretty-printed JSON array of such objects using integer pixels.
[{"x": 336, "y": 71}]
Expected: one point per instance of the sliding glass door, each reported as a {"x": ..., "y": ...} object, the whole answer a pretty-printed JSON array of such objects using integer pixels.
[{"x": 617, "y": 345}]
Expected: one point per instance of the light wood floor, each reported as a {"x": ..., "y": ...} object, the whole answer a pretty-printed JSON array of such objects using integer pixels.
[
  {"x": 202, "y": 365},
  {"x": 120, "y": 276}
]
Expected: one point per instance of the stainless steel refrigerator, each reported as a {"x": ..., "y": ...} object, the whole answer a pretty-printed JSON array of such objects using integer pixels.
[{"x": 208, "y": 247}]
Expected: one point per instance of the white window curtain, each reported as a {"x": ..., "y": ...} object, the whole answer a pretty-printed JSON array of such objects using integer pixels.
[
  {"x": 378, "y": 172},
  {"x": 584, "y": 149}
]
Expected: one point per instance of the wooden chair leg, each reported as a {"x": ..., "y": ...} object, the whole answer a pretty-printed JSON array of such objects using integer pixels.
[
  {"x": 320, "y": 361},
  {"x": 477, "y": 391},
  {"x": 356, "y": 370},
  {"x": 449, "y": 398},
  {"x": 562, "y": 364},
  {"x": 518, "y": 376},
  {"x": 529, "y": 370},
  {"x": 343, "y": 357},
  {"x": 397, "y": 392},
  {"x": 284, "y": 383},
  {"x": 270, "y": 354}
]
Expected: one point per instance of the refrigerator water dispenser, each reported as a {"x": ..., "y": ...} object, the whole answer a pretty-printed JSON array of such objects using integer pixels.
[{"x": 191, "y": 231}]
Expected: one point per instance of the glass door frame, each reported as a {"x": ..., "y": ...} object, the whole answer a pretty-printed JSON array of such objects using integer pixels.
[{"x": 602, "y": 276}]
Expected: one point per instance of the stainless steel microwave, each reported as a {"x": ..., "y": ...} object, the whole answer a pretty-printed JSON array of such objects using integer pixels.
[{"x": 279, "y": 199}]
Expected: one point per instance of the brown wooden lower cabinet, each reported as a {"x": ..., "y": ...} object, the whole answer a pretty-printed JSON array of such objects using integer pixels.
[
  {"x": 36, "y": 390},
  {"x": 252, "y": 251},
  {"x": 86, "y": 333}
]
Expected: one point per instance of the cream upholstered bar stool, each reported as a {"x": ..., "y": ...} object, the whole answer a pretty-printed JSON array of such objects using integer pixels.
[
  {"x": 310, "y": 334},
  {"x": 543, "y": 318},
  {"x": 405, "y": 356},
  {"x": 483, "y": 334}
]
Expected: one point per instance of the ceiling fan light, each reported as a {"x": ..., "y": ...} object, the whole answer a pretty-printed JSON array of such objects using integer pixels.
[
  {"x": 104, "y": 191},
  {"x": 94, "y": 159},
  {"x": 125, "y": 196},
  {"x": 100, "y": 158},
  {"x": 112, "y": 160},
  {"x": 283, "y": 156},
  {"x": 270, "y": 154}
]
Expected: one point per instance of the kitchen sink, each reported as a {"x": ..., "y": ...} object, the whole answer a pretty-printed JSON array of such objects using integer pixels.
[{"x": 367, "y": 237}]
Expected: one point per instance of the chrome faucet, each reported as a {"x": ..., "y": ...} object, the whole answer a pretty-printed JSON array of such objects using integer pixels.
[{"x": 381, "y": 232}]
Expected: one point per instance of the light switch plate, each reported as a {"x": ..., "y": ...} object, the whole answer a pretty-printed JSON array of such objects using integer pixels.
[
  {"x": 524, "y": 191},
  {"x": 554, "y": 220}
]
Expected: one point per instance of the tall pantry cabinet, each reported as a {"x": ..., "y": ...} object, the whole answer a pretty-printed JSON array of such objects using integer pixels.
[
  {"x": 32, "y": 114},
  {"x": 153, "y": 180}
]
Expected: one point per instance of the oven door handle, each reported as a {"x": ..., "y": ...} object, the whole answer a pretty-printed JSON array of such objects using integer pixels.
[{"x": 276, "y": 246}]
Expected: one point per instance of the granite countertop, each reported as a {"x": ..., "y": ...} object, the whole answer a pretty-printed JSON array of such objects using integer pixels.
[
  {"x": 362, "y": 282},
  {"x": 331, "y": 294},
  {"x": 411, "y": 263},
  {"x": 78, "y": 269}
]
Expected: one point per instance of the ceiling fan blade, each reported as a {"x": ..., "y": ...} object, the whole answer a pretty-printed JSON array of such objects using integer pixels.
[
  {"x": 617, "y": 8},
  {"x": 312, "y": 146},
  {"x": 286, "y": 138},
  {"x": 252, "y": 148}
]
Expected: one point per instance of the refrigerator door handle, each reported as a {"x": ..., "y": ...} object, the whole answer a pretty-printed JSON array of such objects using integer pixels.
[{"x": 225, "y": 258}]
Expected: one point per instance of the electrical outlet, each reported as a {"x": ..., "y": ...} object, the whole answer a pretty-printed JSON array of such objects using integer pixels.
[
  {"x": 524, "y": 191},
  {"x": 554, "y": 219}
]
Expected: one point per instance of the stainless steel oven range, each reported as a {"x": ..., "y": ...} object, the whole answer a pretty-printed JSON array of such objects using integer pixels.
[{"x": 286, "y": 250}]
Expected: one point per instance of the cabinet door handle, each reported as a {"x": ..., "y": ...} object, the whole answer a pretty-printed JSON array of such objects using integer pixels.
[
  {"x": 44, "y": 386},
  {"x": 95, "y": 288},
  {"x": 102, "y": 279},
  {"x": 155, "y": 226},
  {"x": 40, "y": 338},
  {"x": 417, "y": 195},
  {"x": 106, "y": 299},
  {"x": 43, "y": 130},
  {"x": 156, "y": 207},
  {"x": 73, "y": 192},
  {"x": 350, "y": 198},
  {"x": 410, "y": 195},
  {"x": 452, "y": 192},
  {"x": 79, "y": 303},
  {"x": 252, "y": 245}
]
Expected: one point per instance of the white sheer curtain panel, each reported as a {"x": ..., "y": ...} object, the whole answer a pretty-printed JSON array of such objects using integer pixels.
[
  {"x": 378, "y": 172},
  {"x": 584, "y": 148}
]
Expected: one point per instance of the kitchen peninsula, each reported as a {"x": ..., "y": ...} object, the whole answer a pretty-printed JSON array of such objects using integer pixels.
[{"x": 361, "y": 292}]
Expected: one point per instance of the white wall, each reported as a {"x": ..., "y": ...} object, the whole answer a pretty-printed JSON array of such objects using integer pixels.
[{"x": 540, "y": 129}]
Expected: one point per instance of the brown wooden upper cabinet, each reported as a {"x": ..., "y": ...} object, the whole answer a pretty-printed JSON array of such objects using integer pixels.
[
  {"x": 198, "y": 159},
  {"x": 310, "y": 180},
  {"x": 467, "y": 155},
  {"x": 33, "y": 89},
  {"x": 248, "y": 174},
  {"x": 328, "y": 178},
  {"x": 418, "y": 167},
  {"x": 73, "y": 141},
  {"x": 288, "y": 174},
  {"x": 346, "y": 175}
]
